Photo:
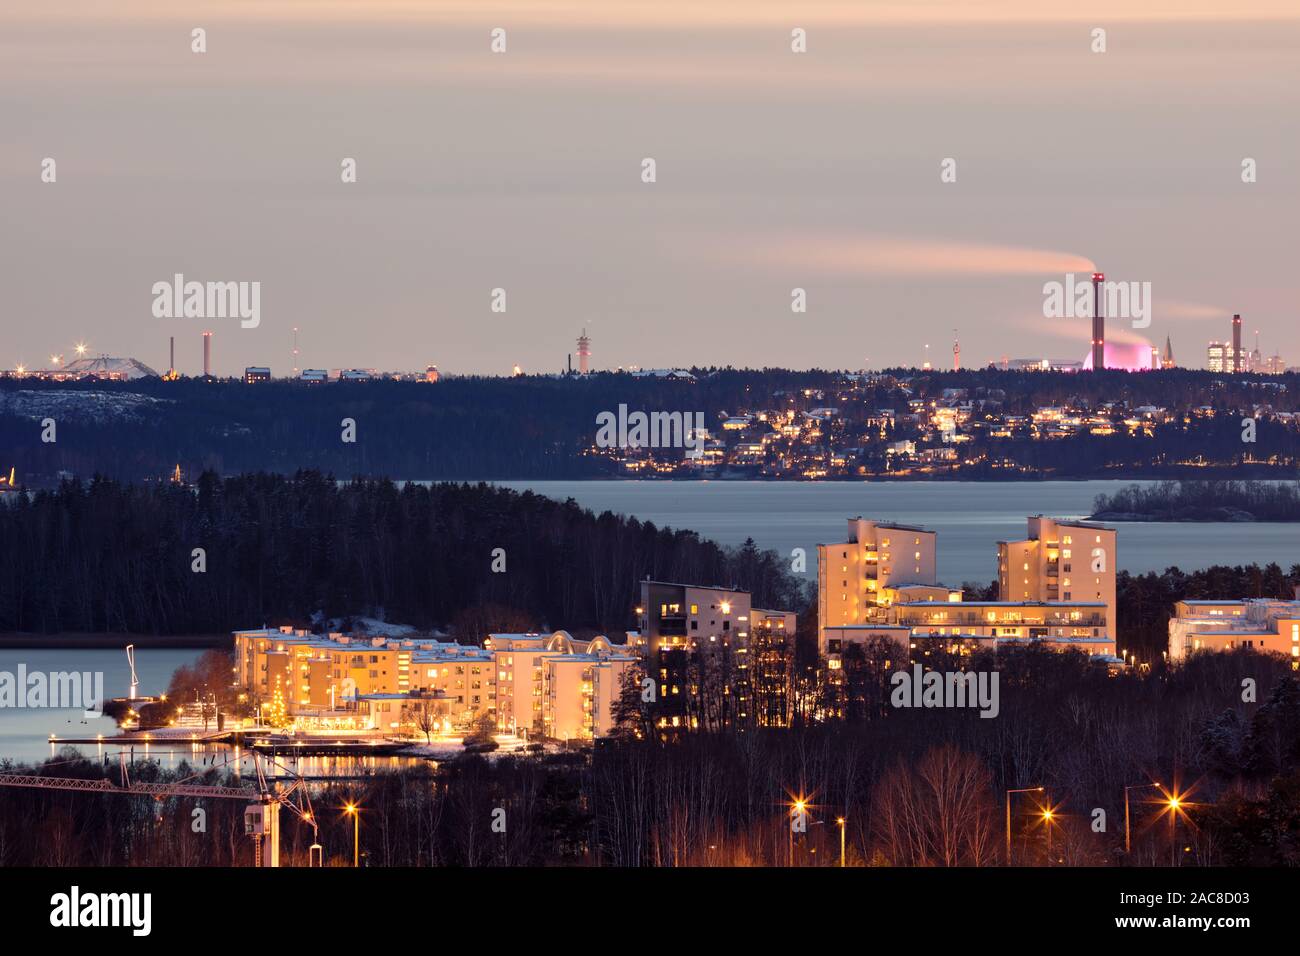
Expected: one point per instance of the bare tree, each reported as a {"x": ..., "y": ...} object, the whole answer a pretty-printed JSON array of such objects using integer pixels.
[{"x": 938, "y": 814}]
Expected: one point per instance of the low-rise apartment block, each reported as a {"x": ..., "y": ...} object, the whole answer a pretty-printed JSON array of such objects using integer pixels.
[
  {"x": 1259, "y": 623},
  {"x": 557, "y": 687},
  {"x": 534, "y": 684}
]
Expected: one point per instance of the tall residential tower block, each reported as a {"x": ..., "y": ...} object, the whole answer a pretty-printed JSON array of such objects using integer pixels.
[
  {"x": 858, "y": 578},
  {"x": 1061, "y": 561}
]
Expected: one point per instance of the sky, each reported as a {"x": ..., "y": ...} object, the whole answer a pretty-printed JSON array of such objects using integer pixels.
[{"x": 523, "y": 171}]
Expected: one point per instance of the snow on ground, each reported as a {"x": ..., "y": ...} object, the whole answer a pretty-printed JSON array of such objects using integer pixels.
[
  {"x": 67, "y": 405},
  {"x": 449, "y": 748},
  {"x": 375, "y": 627}
]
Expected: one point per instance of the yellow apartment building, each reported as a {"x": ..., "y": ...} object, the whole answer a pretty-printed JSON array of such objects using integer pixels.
[
  {"x": 858, "y": 578},
  {"x": 1065, "y": 561},
  {"x": 1265, "y": 625}
]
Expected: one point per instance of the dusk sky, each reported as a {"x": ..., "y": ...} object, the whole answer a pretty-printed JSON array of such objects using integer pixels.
[{"x": 522, "y": 170}]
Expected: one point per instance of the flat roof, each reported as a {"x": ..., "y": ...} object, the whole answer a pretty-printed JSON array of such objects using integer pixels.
[
  {"x": 1093, "y": 525},
  {"x": 868, "y": 627},
  {"x": 1231, "y": 632},
  {"x": 894, "y": 525},
  {"x": 1047, "y": 604},
  {"x": 697, "y": 587}
]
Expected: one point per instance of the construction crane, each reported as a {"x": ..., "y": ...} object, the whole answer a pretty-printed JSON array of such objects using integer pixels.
[{"x": 261, "y": 816}]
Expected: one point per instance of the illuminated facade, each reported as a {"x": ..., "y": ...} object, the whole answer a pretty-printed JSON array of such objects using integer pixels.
[
  {"x": 1057, "y": 625},
  {"x": 1057, "y": 589},
  {"x": 1219, "y": 358},
  {"x": 558, "y": 687},
  {"x": 963, "y": 626},
  {"x": 677, "y": 620},
  {"x": 550, "y": 685},
  {"x": 1268, "y": 626},
  {"x": 1061, "y": 561},
  {"x": 859, "y": 578}
]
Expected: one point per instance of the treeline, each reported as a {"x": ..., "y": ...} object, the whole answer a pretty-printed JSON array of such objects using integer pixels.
[
  {"x": 916, "y": 787},
  {"x": 1203, "y": 501},
  {"x": 539, "y": 427},
  {"x": 240, "y": 552},
  {"x": 1024, "y": 391},
  {"x": 1173, "y": 449},
  {"x": 532, "y": 427}
]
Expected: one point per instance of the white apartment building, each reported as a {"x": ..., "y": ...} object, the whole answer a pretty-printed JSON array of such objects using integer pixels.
[
  {"x": 536, "y": 684},
  {"x": 1056, "y": 588},
  {"x": 558, "y": 687},
  {"x": 1262, "y": 624}
]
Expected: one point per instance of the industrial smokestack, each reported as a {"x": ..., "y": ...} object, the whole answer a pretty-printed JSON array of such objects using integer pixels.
[
  {"x": 207, "y": 354},
  {"x": 1098, "y": 324},
  {"x": 1236, "y": 344},
  {"x": 171, "y": 362}
]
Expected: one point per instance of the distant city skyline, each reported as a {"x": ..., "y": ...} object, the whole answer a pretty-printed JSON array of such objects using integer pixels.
[{"x": 522, "y": 171}]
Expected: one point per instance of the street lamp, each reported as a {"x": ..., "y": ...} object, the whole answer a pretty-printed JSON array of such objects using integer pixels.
[
  {"x": 1175, "y": 804},
  {"x": 798, "y": 809},
  {"x": 351, "y": 810},
  {"x": 1047, "y": 821},
  {"x": 1173, "y": 831},
  {"x": 840, "y": 822},
  {"x": 1136, "y": 786},
  {"x": 1009, "y": 793}
]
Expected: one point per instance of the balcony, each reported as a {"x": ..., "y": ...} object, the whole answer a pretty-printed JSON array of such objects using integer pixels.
[{"x": 673, "y": 626}]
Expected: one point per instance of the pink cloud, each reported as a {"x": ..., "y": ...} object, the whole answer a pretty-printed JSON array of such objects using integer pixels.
[{"x": 895, "y": 256}]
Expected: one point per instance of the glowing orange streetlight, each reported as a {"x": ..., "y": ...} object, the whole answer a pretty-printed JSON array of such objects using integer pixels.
[
  {"x": 1048, "y": 816},
  {"x": 798, "y": 813},
  {"x": 1008, "y": 800},
  {"x": 1128, "y": 847},
  {"x": 1175, "y": 803},
  {"x": 351, "y": 810}
]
